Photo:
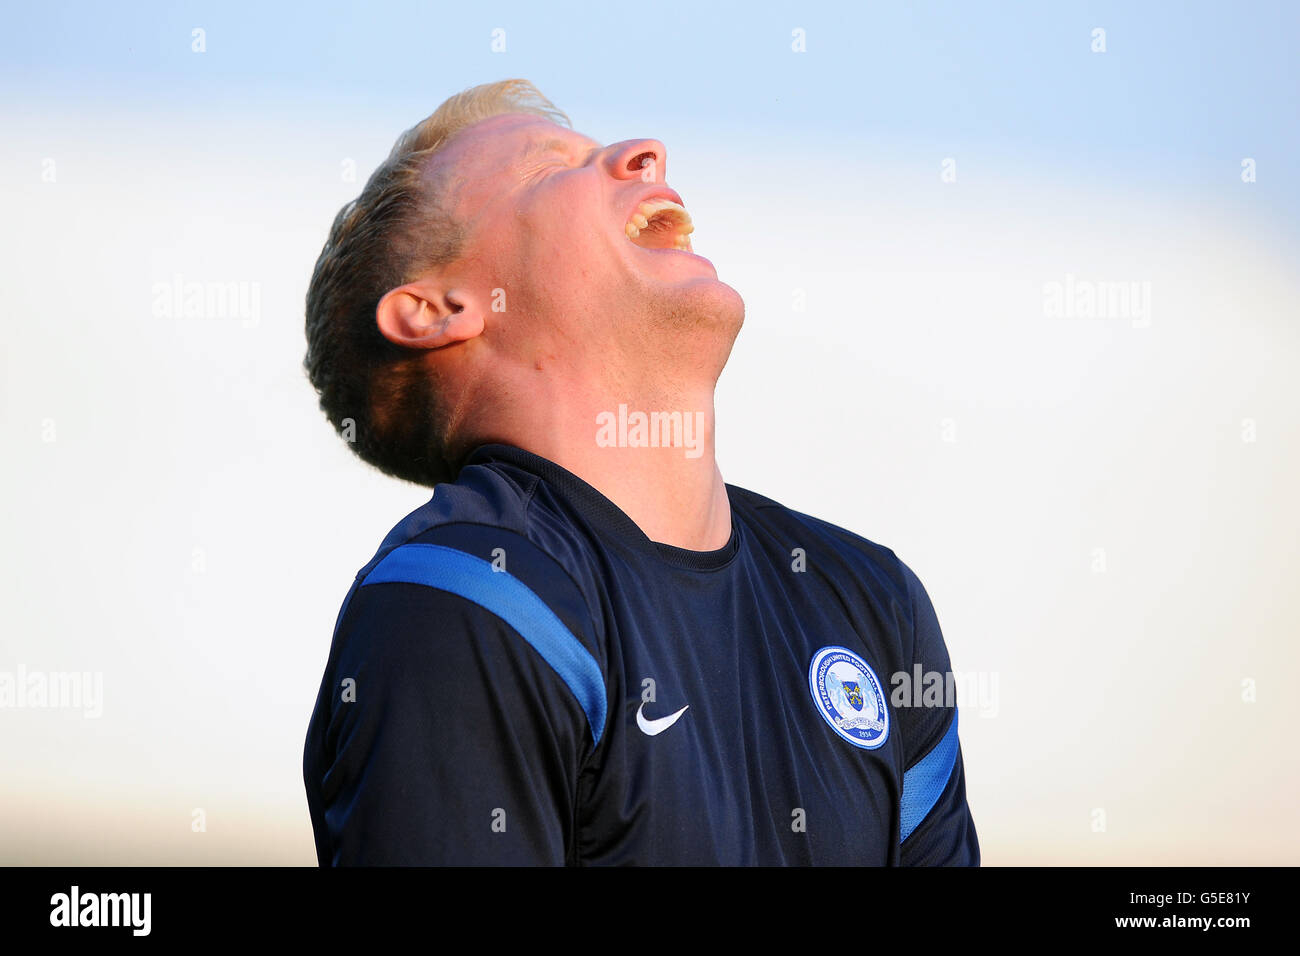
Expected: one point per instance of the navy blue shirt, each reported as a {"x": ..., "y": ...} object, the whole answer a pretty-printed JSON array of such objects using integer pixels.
[{"x": 521, "y": 676}]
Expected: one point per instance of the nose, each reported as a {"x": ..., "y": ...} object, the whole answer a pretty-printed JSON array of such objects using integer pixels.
[{"x": 645, "y": 159}]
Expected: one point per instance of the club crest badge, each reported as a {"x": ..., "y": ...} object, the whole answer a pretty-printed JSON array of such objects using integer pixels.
[{"x": 849, "y": 696}]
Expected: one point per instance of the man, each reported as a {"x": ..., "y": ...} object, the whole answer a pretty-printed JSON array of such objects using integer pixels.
[{"x": 586, "y": 648}]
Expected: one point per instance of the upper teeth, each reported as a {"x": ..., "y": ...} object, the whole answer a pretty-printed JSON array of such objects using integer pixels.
[{"x": 665, "y": 210}]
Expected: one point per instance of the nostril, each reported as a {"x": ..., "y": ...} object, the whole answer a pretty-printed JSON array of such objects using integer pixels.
[{"x": 640, "y": 161}]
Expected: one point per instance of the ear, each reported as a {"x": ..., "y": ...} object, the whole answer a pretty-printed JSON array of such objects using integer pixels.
[{"x": 424, "y": 315}]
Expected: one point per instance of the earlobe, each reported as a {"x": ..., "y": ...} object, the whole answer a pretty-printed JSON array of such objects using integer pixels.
[{"x": 420, "y": 316}]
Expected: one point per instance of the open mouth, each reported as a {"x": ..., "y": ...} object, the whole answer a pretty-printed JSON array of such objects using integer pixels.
[{"x": 660, "y": 224}]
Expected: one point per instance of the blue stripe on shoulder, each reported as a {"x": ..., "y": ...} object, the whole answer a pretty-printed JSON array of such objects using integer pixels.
[
  {"x": 924, "y": 784},
  {"x": 474, "y": 579}
]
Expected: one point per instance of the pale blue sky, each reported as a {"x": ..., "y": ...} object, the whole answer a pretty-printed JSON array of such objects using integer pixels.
[{"x": 1183, "y": 93}]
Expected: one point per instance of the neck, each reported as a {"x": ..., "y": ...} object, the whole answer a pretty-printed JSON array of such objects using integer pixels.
[{"x": 654, "y": 458}]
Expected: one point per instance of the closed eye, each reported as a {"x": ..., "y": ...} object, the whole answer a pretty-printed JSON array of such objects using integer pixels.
[{"x": 537, "y": 169}]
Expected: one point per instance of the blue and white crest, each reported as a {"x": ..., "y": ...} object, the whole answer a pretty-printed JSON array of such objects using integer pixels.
[{"x": 849, "y": 696}]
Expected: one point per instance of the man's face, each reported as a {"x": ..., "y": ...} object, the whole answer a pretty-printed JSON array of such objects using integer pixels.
[{"x": 547, "y": 212}]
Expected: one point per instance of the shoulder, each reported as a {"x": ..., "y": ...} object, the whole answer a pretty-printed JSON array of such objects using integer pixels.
[
  {"x": 856, "y": 569},
  {"x": 472, "y": 571},
  {"x": 829, "y": 549},
  {"x": 485, "y": 523}
]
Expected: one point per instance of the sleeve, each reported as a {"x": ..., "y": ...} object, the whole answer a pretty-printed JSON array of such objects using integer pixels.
[
  {"x": 936, "y": 828},
  {"x": 459, "y": 742}
]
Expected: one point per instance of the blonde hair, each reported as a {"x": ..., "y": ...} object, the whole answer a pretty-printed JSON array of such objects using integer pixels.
[{"x": 377, "y": 394}]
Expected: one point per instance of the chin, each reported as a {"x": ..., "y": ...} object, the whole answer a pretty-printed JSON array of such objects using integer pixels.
[
  {"x": 684, "y": 295},
  {"x": 713, "y": 302},
  {"x": 699, "y": 321}
]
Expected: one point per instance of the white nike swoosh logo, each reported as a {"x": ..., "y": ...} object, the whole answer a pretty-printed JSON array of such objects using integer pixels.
[{"x": 657, "y": 726}]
